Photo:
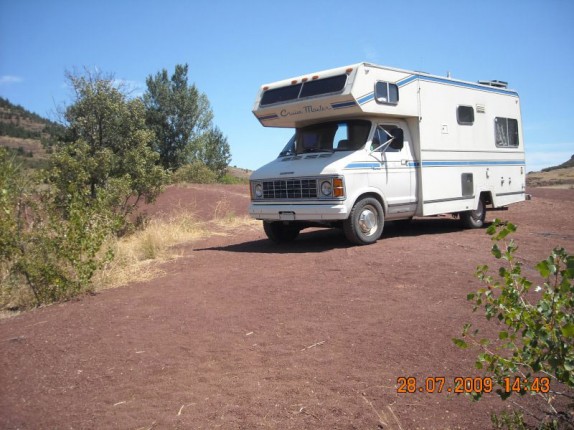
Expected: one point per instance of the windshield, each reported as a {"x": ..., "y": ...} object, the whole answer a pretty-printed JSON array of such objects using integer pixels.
[{"x": 328, "y": 137}]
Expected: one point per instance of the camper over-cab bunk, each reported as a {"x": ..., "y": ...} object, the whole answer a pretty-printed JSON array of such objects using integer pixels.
[{"x": 374, "y": 144}]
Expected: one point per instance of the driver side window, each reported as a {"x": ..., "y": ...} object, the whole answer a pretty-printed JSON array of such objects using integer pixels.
[{"x": 382, "y": 135}]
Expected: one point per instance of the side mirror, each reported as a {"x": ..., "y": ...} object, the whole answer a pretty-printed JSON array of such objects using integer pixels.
[{"x": 398, "y": 138}]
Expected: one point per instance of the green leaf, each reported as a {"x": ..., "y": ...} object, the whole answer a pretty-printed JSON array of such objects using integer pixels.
[
  {"x": 496, "y": 251},
  {"x": 460, "y": 343},
  {"x": 491, "y": 230},
  {"x": 503, "y": 335},
  {"x": 568, "y": 330},
  {"x": 542, "y": 268}
]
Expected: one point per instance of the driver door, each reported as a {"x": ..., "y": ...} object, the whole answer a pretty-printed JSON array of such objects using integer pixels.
[{"x": 396, "y": 178}]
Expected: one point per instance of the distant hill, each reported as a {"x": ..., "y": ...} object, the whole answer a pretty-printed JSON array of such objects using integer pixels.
[
  {"x": 29, "y": 137},
  {"x": 561, "y": 176},
  {"x": 26, "y": 133},
  {"x": 569, "y": 163}
]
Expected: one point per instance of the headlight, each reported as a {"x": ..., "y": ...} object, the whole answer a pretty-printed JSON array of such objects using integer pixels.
[
  {"x": 258, "y": 191},
  {"x": 326, "y": 188}
]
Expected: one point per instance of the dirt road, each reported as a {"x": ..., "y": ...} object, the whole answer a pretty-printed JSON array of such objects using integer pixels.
[{"x": 243, "y": 334}]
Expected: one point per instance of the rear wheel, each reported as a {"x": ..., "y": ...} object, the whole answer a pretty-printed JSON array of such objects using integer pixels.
[
  {"x": 475, "y": 218},
  {"x": 365, "y": 223},
  {"x": 279, "y": 232}
]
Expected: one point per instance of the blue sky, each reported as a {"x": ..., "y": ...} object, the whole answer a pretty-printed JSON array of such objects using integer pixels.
[{"x": 232, "y": 47}]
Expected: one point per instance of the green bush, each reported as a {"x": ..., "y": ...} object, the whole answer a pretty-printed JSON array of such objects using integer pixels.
[
  {"x": 195, "y": 173},
  {"x": 233, "y": 180},
  {"x": 535, "y": 342},
  {"x": 51, "y": 253}
]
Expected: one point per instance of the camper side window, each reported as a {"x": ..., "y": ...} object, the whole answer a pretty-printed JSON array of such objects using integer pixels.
[
  {"x": 387, "y": 93},
  {"x": 465, "y": 115},
  {"x": 506, "y": 132}
]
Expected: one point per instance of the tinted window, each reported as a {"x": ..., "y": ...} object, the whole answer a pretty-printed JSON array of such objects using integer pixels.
[
  {"x": 323, "y": 86},
  {"x": 386, "y": 92},
  {"x": 506, "y": 132},
  {"x": 282, "y": 94},
  {"x": 465, "y": 115},
  {"x": 317, "y": 87}
]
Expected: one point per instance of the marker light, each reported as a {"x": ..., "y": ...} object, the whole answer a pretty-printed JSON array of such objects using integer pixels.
[{"x": 338, "y": 188}]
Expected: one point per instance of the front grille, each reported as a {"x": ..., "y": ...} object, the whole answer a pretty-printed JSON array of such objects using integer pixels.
[{"x": 290, "y": 189}]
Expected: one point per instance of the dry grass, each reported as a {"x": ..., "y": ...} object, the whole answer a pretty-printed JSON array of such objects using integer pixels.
[
  {"x": 137, "y": 257},
  {"x": 558, "y": 178}
]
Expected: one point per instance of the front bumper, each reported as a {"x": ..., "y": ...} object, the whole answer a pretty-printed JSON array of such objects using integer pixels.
[{"x": 299, "y": 212}]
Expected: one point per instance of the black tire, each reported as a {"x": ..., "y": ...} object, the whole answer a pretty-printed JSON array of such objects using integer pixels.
[
  {"x": 279, "y": 232},
  {"x": 475, "y": 218},
  {"x": 365, "y": 223}
]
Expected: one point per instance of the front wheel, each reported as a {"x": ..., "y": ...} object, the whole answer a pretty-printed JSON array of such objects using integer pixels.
[
  {"x": 475, "y": 218},
  {"x": 279, "y": 232},
  {"x": 365, "y": 223}
]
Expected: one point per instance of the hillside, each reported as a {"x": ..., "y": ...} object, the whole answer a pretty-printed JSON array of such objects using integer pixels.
[
  {"x": 561, "y": 176},
  {"x": 567, "y": 164},
  {"x": 25, "y": 133}
]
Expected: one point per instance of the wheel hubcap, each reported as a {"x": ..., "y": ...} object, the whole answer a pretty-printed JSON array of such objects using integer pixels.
[
  {"x": 478, "y": 213},
  {"x": 368, "y": 221}
]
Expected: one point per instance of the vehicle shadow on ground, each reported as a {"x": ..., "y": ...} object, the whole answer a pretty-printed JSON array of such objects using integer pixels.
[{"x": 321, "y": 240}]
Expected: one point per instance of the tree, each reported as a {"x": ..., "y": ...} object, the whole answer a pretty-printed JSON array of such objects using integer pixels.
[
  {"x": 181, "y": 117},
  {"x": 106, "y": 148},
  {"x": 214, "y": 151}
]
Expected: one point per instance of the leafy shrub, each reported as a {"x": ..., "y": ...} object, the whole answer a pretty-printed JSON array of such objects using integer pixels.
[
  {"x": 232, "y": 180},
  {"x": 51, "y": 252},
  {"x": 195, "y": 173},
  {"x": 536, "y": 336}
]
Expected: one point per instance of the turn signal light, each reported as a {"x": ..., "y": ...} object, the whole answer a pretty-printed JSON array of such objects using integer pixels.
[{"x": 338, "y": 189}]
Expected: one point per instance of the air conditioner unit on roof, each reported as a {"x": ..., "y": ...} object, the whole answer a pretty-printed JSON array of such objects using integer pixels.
[{"x": 495, "y": 83}]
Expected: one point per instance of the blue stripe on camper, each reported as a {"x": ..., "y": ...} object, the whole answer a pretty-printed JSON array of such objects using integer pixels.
[
  {"x": 445, "y": 163},
  {"x": 342, "y": 105},
  {"x": 363, "y": 165},
  {"x": 446, "y": 81},
  {"x": 437, "y": 163},
  {"x": 366, "y": 98}
]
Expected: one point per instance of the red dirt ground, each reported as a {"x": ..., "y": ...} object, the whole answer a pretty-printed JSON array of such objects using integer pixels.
[{"x": 244, "y": 334}]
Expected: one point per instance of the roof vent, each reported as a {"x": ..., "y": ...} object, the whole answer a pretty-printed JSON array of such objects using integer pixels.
[{"x": 496, "y": 84}]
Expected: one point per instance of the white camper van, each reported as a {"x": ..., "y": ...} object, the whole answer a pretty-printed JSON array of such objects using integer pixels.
[{"x": 374, "y": 144}]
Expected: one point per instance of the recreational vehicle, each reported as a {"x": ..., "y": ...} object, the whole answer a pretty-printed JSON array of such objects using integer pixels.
[{"x": 373, "y": 144}]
